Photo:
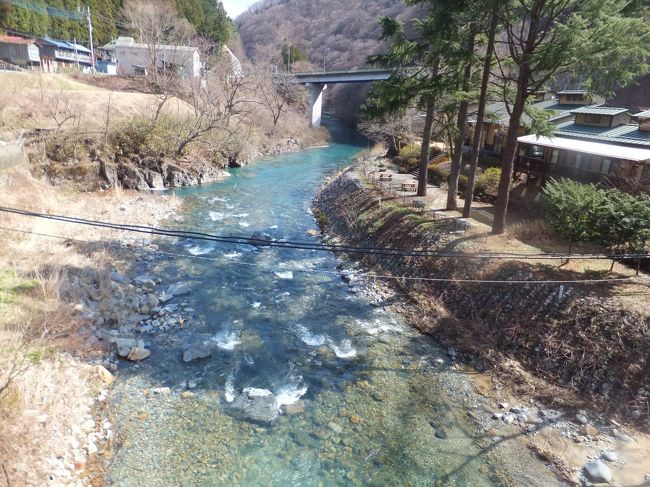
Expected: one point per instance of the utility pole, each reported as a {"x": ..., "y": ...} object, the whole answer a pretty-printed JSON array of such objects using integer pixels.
[
  {"x": 324, "y": 54},
  {"x": 76, "y": 53},
  {"x": 90, "y": 36}
]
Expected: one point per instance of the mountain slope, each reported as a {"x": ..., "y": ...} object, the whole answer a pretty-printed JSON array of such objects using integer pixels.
[{"x": 335, "y": 34}]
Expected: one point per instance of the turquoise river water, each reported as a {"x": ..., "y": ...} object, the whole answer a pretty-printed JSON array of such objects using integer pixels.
[{"x": 366, "y": 406}]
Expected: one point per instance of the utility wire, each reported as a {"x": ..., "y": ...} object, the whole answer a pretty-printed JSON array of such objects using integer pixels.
[
  {"x": 369, "y": 275},
  {"x": 302, "y": 245}
]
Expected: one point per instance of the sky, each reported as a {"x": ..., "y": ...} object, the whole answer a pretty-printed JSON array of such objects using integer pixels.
[{"x": 235, "y": 7}]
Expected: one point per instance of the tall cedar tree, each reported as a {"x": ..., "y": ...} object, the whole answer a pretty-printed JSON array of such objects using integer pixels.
[
  {"x": 605, "y": 41},
  {"x": 425, "y": 67}
]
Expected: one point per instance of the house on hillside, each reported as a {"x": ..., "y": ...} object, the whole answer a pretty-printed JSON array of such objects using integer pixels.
[
  {"x": 600, "y": 145},
  {"x": 135, "y": 59},
  {"x": 21, "y": 52},
  {"x": 57, "y": 55}
]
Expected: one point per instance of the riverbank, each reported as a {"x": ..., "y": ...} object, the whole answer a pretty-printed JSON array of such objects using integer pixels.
[
  {"x": 532, "y": 342},
  {"x": 60, "y": 283}
]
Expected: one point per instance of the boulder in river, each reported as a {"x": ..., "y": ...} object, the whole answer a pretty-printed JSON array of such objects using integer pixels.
[
  {"x": 179, "y": 289},
  {"x": 259, "y": 405},
  {"x": 196, "y": 350}
]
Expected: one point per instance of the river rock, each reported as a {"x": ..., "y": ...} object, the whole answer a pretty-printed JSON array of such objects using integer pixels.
[
  {"x": 117, "y": 277},
  {"x": 195, "y": 351},
  {"x": 609, "y": 456},
  {"x": 442, "y": 434},
  {"x": 136, "y": 354},
  {"x": 509, "y": 418},
  {"x": 151, "y": 300},
  {"x": 179, "y": 289},
  {"x": 582, "y": 419},
  {"x": 144, "y": 280},
  {"x": 124, "y": 345},
  {"x": 104, "y": 375},
  {"x": 131, "y": 349},
  {"x": 259, "y": 405},
  {"x": 597, "y": 471},
  {"x": 590, "y": 430}
]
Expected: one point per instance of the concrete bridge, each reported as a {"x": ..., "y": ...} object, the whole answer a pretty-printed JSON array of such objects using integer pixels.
[{"x": 317, "y": 82}]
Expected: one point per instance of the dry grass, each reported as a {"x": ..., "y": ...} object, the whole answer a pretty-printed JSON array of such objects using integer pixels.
[
  {"x": 43, "y": 408},
  {"x": 43, "y": 101}
]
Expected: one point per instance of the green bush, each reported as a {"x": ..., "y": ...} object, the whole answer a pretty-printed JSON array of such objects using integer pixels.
[
  {"x": 321, "y": 218},
  {"x": 438, "y": 174},
  {"x": 586, "y": 213},
  {"x": 410, "y": 151},
  {"x": 487, "y": 184},
  {"x": 141, "y": 135}
]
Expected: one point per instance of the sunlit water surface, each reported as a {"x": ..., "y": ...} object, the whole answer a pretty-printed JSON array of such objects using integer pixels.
[{"x": 285, "y": 321}]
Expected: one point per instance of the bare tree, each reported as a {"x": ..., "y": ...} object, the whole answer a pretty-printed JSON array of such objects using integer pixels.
[
  {"x": 278, "y": 94},
  {"x": 393, "y": 131},
  {"x": 221, "y": 103},
  {"x": 168, "y": 38},
  {"x": 156, "y": 23}
]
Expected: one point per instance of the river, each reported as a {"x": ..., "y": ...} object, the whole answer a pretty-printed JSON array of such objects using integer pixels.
[{"x": 375, "y": 412}]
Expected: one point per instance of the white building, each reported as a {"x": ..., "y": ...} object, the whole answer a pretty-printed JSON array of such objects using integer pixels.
[{"x": 133, "y": 58}]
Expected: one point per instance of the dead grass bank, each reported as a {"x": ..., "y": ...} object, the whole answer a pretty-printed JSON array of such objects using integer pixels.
[{"x": 48, "y": 427}]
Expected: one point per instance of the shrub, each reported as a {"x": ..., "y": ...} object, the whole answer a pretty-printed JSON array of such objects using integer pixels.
[
  {"x": 410, "y": 152},
  {"x": 141, "y": 135},
  {"x": 487, "y": 184},
  {"x": 321, "y": 218},
  {"x": 438, "y": 174},
  {"x": 584, "y": 212}
]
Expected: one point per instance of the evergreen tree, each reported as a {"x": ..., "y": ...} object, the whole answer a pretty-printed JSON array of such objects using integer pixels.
[{"x": 603, "y": 40}]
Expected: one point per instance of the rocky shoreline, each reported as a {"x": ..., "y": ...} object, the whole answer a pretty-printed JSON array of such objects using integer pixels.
[
  {"x": 93, "y": 168},
  {"x": 601, "y": 449}
]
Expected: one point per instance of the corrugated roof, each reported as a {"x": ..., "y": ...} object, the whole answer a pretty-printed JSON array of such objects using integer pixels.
[
  {"x": 645, "y": 114},
  {"x": 498, "y": 113},
  {"x": 587, "y": 147},
  {"x": 628, "y": 134},
  {"x": 599, "y": 110},
  {"x": 66, "y": 45}
]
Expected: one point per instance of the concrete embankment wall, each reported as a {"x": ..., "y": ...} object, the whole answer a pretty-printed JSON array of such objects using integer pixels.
[{"x": 572, "y": 335}]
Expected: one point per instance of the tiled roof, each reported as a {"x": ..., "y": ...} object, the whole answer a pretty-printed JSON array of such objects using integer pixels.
[
  {"x": 599, "y": 110},
  {"x": 623, "y": 134}
]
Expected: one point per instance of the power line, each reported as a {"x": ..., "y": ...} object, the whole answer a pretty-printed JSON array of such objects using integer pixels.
[
  {"x": 369, "y": 275},
  {"x": 303, "y": 245}
]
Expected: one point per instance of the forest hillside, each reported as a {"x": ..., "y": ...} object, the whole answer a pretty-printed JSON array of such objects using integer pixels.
[
  {"x": 336, "y": 34},
  {"x": 66, "y": 19}
]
